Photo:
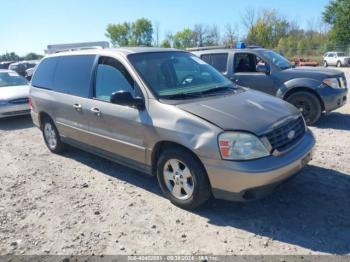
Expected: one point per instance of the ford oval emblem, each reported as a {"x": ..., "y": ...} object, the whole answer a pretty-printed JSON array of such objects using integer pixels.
[{"x": 291, "y": 134}]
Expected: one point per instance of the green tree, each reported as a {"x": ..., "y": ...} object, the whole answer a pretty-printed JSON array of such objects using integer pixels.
[
  {"x": 165, "y": 43},
  {"x": 300, "y": 48},
  {"x": 184, "y": 39},
  {"x": 268, "y": 29},
  {"x": 9, "y": 57},
  {"x": 142, "y": 32},
  {"x": 337, "y": 14},
  {"x": 32, "y": 56},
  {"x": 282, "y": 46},
  {"x": 119, "y": 34},
  {"x": 137, "y": 33}
]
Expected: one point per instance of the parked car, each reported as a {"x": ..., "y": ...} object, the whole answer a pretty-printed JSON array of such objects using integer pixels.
[
  {"x": 311, "y": 90},
  {"x": 337, "y": 59},
  {"x": 14, "y": 91},
  {"x": 29, "y": 73},
  {"x": 21, "y": 67},
  {"x": 5, "y": 64},
  {"x": 168, "y": 113}
]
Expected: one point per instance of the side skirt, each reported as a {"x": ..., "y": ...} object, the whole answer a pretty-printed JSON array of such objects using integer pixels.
[{"x": 110, "y": 156}]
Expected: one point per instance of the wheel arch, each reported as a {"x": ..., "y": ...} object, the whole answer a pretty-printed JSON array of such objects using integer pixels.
[
  {"x": 41, "y": 117},
  {"x": 160, "y": 146}
]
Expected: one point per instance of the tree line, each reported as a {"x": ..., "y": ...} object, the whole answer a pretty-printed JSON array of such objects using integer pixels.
[
  {"x": 12, "y": 56},
  {"x": 265, "y": 28}
]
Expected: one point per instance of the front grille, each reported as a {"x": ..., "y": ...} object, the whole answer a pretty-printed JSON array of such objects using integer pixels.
[
  {"x": 278, "y": 137},
  {"x": 19, "y": 101}
]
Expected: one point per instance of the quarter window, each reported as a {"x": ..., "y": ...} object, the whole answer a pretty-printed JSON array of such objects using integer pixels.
[
  {"x": 219, "y": 61},
  {"x": 43, "y": 76},
  {"x": 112, "y": 77}
]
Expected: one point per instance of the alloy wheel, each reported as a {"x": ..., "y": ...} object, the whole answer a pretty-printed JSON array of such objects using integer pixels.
[
  {"x": 178, "y": 179},
  {"x": 50, "y": 135}
]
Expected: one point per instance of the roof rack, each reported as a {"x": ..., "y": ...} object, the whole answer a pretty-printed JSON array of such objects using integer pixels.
[
  {"x": 79, "y": 49},
  {"x": 52, "y": 49},
  {"x": 238, "y": 46},
  {"x": 200, "y": 48}
]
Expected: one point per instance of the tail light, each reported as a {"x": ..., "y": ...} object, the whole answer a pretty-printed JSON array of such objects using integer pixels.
[{"x": 31, "y": 104}]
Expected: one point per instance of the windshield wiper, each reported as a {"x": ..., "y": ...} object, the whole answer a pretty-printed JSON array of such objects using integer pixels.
[
  {"x": 218, "y": 89},
  {"x": 214, "y": 90},
  {"x": 180, "y": 96}
]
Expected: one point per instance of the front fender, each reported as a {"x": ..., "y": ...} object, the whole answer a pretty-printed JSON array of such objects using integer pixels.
[{"x": 298, "y": 82}]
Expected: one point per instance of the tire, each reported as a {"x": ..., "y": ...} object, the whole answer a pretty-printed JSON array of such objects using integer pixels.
[
  {"x": 339, "y": 64},
  {"x": 308, "y": 104},
  {"x": 51, "y": 136},
  {"x": 325, "y": 64},
  {"x": 178, "y": 169}
]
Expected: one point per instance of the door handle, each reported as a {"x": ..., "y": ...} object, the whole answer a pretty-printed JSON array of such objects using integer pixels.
[
  {"x": 96, "y": 111},
  {"x": 77, "y": 107}
]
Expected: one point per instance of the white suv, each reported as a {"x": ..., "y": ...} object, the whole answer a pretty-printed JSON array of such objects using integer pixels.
[{"x": 338, "y": 59}]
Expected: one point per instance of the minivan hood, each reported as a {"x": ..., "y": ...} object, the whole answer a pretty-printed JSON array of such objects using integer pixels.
[
  {"x": 14, "y": 92},
  {"x": 250, "y": 111},
  {"x": 315, "y": 70}
]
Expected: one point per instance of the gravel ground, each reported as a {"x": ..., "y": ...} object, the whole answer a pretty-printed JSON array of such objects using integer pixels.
[{"x": 78, "y": 203}]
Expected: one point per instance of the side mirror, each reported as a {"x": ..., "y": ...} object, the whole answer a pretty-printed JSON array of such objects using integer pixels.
[
  {"x": 126, "y": 99},
  {"x": 262, "y": 69}
]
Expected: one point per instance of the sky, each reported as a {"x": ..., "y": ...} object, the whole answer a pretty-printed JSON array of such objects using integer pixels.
[{"x": 29, "y": 26}]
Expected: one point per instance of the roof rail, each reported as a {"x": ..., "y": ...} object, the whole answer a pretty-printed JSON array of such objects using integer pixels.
[
  {"x": 78, "y": 49},
  {"x": 200, "y": 48}
]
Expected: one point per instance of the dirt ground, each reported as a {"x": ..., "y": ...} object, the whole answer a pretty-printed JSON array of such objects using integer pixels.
[{"x": 78, "y": 203}]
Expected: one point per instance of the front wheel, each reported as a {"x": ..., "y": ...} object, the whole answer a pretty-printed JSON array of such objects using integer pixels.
[
  {"x": 182, "y": 178},
  {"x": 325, "y": 64},
  {"x": 338, "y": 64},
  {"x": 51, "y": 136},
  {"x": 308, "y": 104}
]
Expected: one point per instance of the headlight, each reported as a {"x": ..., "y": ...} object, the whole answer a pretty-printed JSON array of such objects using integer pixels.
[
  {"x": 241, "y": 146},
  {"x": 3, "y": 102},
  {"x": 332, "y": 82}
]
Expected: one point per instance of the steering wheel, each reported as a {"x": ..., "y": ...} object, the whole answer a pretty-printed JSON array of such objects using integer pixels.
[{"x": 187, "y": 80}]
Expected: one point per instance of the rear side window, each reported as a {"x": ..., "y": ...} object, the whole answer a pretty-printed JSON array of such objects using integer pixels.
[
  {"x": 43, "y": 76},
  {"x": 219, "y": 61},
  {"x": 73, "y": 75}
]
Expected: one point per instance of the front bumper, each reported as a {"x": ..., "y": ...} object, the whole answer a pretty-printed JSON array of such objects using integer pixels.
[
  {"x": 333, "y": 98},
  {"x": 14, "y": 110},
  {"x": 249, "y": 180}
]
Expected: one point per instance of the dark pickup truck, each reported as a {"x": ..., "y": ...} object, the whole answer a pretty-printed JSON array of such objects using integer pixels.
[{"x": 312, "y": 90}]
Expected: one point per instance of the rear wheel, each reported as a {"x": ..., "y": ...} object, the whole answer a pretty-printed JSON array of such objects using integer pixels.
[
  {"x": 338, "y": 64},
  {"x": 182, "y": 178},
  {"x": 308, "y": 104},
  {"x": 51, "y": 136}
]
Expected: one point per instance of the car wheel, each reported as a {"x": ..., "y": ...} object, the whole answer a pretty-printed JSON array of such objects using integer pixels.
[
  {"x": 338, "y": 64},
  {"x": 182, "y": 178},
  {"x": 51, "y": 136},
  {"x": 325, "y": 64},
  {"x": 308, "y": 104}
]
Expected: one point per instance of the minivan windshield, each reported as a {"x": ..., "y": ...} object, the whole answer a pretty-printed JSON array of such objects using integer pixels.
[
  {"x": 176, "y": 75},
  {"x": 280, "y": 61},
  {"x": 11, "y": 79}
]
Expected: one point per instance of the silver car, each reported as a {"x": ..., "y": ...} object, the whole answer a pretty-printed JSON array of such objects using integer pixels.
[
  {"x": 169, "y": 114},
  {"x": 14, "y": 92},
  {"x": 338, "y": 59}
]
